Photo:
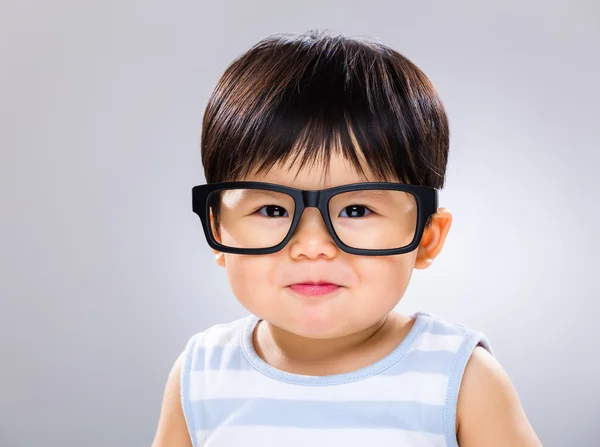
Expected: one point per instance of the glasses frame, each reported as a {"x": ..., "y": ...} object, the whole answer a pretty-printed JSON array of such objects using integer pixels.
[{"x": 426, "y": 197}]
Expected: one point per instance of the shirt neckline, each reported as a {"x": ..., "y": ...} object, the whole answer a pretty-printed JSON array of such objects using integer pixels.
[{"x": 375, "y": 368}]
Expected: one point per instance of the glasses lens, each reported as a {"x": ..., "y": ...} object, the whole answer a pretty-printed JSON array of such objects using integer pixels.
[
  {"x": 250, "y": 218},
  {"x": 374, "y": 219}
]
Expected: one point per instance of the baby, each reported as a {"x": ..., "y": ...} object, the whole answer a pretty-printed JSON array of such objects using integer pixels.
[{"x": 323, "y": 158}]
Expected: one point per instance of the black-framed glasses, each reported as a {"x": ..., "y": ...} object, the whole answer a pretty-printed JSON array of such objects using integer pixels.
[{"x": 370, "y": 219}]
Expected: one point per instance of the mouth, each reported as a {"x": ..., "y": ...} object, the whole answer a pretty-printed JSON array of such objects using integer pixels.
[{"x": 314, "y": 289}]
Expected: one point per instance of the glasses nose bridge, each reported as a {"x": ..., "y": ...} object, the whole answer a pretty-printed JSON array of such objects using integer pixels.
[{"x": 311, "y": 198}]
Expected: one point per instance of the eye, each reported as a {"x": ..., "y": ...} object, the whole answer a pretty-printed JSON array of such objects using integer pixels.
[
  {"x": 355, "y": 211},
  {"x": 273, "y": 211}
]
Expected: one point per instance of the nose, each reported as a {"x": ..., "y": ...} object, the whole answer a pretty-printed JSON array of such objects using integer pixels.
[{"x": 311, "y": 239}]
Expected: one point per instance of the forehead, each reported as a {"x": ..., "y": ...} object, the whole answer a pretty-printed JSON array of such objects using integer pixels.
[{"x": 314, "y": 175}]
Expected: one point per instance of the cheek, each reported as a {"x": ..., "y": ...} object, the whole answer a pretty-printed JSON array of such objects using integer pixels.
[
  {"x": 249, "y": 276},
  {"x": 386, "y": 276}
]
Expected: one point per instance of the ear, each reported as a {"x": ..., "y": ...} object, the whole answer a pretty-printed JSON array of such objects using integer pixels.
[
  {"x": 433, "y": 238},
  {"x": 219, "y": 256}
]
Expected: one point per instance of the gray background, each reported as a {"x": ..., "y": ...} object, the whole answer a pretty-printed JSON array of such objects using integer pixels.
[{"x": 105, "y": 273}]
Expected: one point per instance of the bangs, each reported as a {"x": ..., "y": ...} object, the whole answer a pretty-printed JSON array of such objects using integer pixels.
[
  {"x": 298, "y": 100},
  {"x": 312, "y": 141}
]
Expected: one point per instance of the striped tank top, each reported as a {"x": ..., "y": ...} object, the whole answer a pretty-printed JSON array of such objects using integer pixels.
[{"x": 231, "y": 397}]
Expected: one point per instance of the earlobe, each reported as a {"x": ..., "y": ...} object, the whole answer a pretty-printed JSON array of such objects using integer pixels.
[
  {"x": 433, "y": 238},
  {"x": 220, "y": 258}
]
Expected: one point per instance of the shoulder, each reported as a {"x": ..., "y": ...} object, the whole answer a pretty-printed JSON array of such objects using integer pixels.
[
  {"x": 172, "y": 429},
  {"x": 483, "y": 405},
  {"x": 175, "y": 427},
  {"x": 212, "y": 339},
  {"x": 489, "y": 411},
  {"x": 220, "y": 334},
  {"x": 450, "y": 336}
]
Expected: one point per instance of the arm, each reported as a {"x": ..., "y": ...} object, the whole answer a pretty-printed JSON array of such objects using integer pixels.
[
  {"x": 489, "y": 412},
  {"x": 172, "y": 429}
]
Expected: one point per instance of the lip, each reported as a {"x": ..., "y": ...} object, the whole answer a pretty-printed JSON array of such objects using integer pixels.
[{"x": 314, "y": 289}]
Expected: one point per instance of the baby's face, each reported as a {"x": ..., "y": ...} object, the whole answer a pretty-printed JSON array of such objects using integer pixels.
[{"x": 369, "y": 286}]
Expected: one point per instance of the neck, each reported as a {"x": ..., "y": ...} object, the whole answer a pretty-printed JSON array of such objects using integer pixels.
[{"x": 290, "y": 351}]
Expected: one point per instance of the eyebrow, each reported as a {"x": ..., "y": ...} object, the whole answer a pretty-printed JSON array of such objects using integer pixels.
[
  {"x": 376, "y": 192},
  {"x": 244, "y": 194},
  {"x": 263, "y": 192}
]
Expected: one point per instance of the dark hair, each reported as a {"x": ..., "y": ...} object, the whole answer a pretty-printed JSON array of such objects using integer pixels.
[{"x": 298, "y": 98}]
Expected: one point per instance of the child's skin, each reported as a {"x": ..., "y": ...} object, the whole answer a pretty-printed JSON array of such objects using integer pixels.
[{"x": 354, "y": 326}]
